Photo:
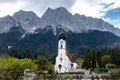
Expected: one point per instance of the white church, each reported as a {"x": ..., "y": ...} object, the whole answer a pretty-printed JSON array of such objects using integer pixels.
[{"x": 63, "y": 63}]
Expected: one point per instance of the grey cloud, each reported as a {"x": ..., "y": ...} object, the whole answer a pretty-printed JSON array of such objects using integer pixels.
[
  {"x": 53, "y": 3},
  {"x": 8, "y": 1},
  {"x": 107, "y": 5},
  {"x": 40, "y": 6}
]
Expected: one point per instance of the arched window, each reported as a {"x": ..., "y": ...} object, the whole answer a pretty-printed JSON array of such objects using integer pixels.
[{"x": 61, "y": 46}]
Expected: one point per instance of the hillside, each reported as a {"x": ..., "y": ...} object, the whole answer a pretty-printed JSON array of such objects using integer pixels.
[{"x": 44, "y": 42}]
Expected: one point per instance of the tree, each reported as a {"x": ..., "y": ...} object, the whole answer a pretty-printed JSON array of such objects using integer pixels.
[
  {"x": 93, "y": 61},
  {"x": 105, "y": 60},
  {"x": 101, "y": 58},
  {"x": 27, "y": 55},
  {"x": 87, "y": 59},
  {"x": 98, "y": 59},
  {"x": 14, "y": 53},
  {"x": 43, "y": 64},
  {"x": 115, "y": 56}
]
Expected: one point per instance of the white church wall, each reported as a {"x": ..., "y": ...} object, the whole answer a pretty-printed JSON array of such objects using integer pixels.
[
  {"x": 61, "y": 52},
  {"x": 75, "y": 65}
]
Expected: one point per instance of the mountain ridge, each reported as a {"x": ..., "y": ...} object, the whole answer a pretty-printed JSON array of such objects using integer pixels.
[{"x": 29, "y": 21}]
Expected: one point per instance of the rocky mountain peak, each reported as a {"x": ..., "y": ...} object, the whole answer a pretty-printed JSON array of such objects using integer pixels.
[
  {"x": 27, "y": 19},
  {"x": 6, "y": 23},
  {"x": 76, "y": 23},
  {"x": 8, "y": 17},
  {"x": 28, "y": 15},
  {"x": 55, "y": 17},
  {"x": 61, "y": 10},
  {"x": 56, "y": 12}
]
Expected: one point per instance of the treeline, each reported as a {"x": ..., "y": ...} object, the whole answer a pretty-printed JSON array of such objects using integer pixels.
[
  {"x": 28, "y": 54},
  {"x": 103, "y": 58}
]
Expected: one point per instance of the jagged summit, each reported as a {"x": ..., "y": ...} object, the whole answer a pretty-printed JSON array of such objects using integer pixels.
[
  {"x": 56, "y": 12},
  {"x": 29, "y": 21},
  {"x": 55, "y": 17},
  {"x": 27, "y": 13},
  {"x": 60, "y": 9},
  {"x": 6, "y": 23},
  {"x": 76, "y": 23}
]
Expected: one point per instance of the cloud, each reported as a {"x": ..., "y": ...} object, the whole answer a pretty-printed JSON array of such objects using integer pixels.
[
  {"x": 8, "y": 8},
  {"x": 94, "y": 8},
  {"x": 8, "y": 1},
  {"x": 38, "y": 6},
  {"x": 87, "y": 8}
]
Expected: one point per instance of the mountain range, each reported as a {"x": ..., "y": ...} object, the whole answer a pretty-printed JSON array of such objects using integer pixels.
[
  {"x": 29, "y": 21},
  {"x": 26, "y": 31}
]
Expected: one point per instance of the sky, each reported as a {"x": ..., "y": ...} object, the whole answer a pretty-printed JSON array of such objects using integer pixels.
[{"x": 108, "y": 10}]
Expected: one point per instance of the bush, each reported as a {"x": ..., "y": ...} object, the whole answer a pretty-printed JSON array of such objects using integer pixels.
[
  {"x": 110, "y": 65},
  {"x": 115, "y": 74}
]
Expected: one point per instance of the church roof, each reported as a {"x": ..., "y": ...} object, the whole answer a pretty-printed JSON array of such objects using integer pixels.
[{"x": 71, "y": 56}]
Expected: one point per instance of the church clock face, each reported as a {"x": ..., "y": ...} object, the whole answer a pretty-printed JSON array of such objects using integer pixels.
[{"x": 61, "y": 58}]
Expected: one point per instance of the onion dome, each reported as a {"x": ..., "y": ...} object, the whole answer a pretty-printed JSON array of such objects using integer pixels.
[{"x": 62, "y": 36}]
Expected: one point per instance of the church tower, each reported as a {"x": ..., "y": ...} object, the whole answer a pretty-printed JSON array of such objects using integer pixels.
[{"x": 63, "y": 63}]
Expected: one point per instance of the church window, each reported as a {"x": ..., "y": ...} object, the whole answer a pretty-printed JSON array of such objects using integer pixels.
[
  {"x": 59, "y": 66},
  {"x": 61, "y": 46},
  {"x": 71, "y": 65}
]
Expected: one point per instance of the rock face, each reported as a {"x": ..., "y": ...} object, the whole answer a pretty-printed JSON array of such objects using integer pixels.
[
  {"x": 30, "y": 22},
  {"x": 6, "y": 23},
  {"x": 76, "y": 23},
  {"x": 26, "y": 19}
]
